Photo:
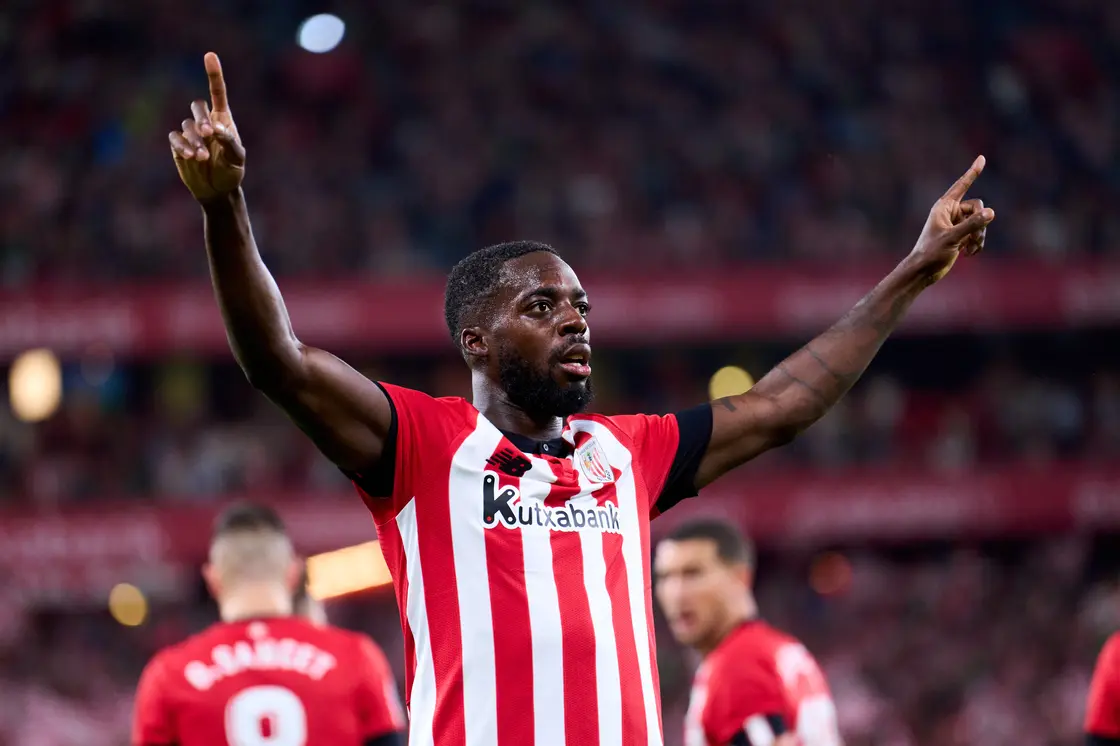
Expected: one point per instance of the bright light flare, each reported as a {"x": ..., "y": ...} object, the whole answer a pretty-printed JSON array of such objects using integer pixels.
[
  {"x": 321, "y": 33},
  {"x": 729, "y": 381},
  {"x": 347, "y": 570},
  {"x": 35, "y": 385}
]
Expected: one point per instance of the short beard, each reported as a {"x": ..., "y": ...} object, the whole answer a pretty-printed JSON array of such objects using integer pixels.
[{"x": 537, "y": 393}]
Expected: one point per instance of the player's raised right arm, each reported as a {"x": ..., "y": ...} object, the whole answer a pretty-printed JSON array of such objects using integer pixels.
[{"x": 346, "y": 414}]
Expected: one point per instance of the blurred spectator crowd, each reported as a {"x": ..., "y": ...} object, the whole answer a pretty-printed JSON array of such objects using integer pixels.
[
  {"x": 934, "y": 647},
  {"x": 674, "y": 132},
  {"x": 186, "y": 430}
]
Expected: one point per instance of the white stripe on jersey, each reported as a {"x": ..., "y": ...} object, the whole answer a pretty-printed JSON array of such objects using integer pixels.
[
  {"x": 468, "y": 545},
  {"x": 544, "y": 615},
  {"x": 422, "y": 698},
  {"x": 608, "y": 683},
  {"x": 626, "y": 493}
]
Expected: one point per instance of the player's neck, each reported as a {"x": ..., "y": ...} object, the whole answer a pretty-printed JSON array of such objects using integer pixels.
[
  {"x": 255, "y": 601},
  {"x": 496, "y": 407},
  {"x": 741, "y": 614}
]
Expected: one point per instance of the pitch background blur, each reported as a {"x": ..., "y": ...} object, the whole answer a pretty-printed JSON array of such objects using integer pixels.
[{"x": 727, "y": 177}]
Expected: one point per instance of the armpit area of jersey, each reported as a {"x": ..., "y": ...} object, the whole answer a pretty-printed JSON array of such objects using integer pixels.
[
  {"x": 388, "y": 739},
  {"x": 694, "y": 433},
  {"x": 377, "y": 481},
  {"x": 1092, "y": 740}
]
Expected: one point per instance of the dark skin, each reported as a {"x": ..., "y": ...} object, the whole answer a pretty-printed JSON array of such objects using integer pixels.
[{"x": 539, "y": 309}]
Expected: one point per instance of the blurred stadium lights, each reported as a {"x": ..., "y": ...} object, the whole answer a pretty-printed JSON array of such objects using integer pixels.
[
  {"x": 831, "y": 574},
  {"x": 35, "y": 385},
  {"x": 729, "y": 381},
  {"x": 128, "y": 605},
  {"x": 348, "y": 570},
  {"x": 321, "y": 33}
]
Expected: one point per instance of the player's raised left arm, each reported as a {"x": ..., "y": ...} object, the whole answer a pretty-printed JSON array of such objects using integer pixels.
[{"x": 804, "y": 386}]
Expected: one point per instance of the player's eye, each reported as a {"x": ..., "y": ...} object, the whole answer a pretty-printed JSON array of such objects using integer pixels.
[
  {"x": 541, "y": 306},
  {"x": 583, "y": 308}
]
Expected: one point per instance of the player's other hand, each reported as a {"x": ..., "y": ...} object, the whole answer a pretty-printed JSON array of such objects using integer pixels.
[
  {"x": 208, "y": 151},
  {"x": 787, "y": 739},
  {"x": 955, "y": 226}
]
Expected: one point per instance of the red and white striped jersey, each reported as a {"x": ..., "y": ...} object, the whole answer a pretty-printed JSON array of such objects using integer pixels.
[
  {"x": 757, "y": 684},
  {"x": 522, "y": 570}
]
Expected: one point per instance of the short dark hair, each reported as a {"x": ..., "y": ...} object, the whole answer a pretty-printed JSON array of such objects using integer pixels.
[
  {"x": 474, "y": 280},
  {"x": 732, "y": 546},
  {"x": 247, "y": 516}
]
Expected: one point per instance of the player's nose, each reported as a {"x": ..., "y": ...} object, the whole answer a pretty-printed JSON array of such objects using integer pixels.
[{"x": 572, "y": 322}]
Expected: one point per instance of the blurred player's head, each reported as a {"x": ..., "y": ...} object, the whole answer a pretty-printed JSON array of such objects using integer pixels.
[
  {"x": 253, "y": 570},
  {"x": 307, "y": 606},
  {"x": 704, "y": 570},
  {"x": 517, "y": 312}
]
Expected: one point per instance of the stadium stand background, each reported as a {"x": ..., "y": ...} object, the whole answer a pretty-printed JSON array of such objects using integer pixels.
[{"x": 945, "y": 540}]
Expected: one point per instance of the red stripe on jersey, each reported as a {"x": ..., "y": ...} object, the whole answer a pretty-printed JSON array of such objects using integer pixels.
[
  {"x": 392, "y": 548},
  {"x": 633, "y": 728},
  {"x": 441, "y": 599},
  {"x": 513, "y": 640},
  {"x": 581, "y": 691}
]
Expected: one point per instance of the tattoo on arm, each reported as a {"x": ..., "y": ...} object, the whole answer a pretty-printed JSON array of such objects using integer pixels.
[
  {"x": 810, "y": 381},
  {"x": 727, "y": 403}
]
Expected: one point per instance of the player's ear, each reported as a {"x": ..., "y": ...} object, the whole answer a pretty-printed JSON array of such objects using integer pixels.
[
  {"x": 745, "y": 575},
  {"x": 294, "y": 574},
  {"x": 472, "y": 341},
  {"x": 212, "y": 578}
]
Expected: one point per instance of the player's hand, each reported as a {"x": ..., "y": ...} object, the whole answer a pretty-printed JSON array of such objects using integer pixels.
[
  {"x": 955, "y": 226},
  {"x": 208, "y": 151},
  {"x": 787, "y": 739}
]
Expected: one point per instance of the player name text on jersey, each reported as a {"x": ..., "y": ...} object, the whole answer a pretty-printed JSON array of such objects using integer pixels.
[{"x": 264, "y": 654}]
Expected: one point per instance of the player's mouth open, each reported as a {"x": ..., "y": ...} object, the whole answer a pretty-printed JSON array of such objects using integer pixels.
[{"x": 576, "y": 361}]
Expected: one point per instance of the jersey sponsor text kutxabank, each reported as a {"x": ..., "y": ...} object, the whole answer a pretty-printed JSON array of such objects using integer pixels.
[
  {"x": 267, "y": 682},
  {"x": 522, "y": 570},
  {"x": 1102, "y": 713},
  {"x": 757, "y": 684}
]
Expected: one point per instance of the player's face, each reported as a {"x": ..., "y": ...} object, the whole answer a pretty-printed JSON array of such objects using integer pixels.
[
  {"x": 540, "y": 337},
  {"x": 693, "y": 588}
]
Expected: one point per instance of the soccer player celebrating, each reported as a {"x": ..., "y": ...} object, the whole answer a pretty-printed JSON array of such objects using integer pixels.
[
  {"x": 262, "y": 677},
  {"x": 755, "y": 683},
  {"x": 1102, "y": 716},
  {"x": 515, "y": 527}
]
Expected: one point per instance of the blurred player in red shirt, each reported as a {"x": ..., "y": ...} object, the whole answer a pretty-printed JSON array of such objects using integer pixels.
[
  {"x": 757, "y": 686},
  {"x": 1102, "y": 716},
  {"x": 262, "y": 676}
]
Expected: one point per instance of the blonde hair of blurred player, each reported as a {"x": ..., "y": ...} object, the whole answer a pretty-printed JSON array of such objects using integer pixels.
[{"x": 253, "y": 570}]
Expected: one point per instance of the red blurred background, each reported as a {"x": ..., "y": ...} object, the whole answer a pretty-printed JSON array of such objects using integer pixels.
[{"x": 727, "y": 177}]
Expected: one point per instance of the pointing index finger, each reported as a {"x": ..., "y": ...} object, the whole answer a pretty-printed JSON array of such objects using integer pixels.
[
  {"x": 218, "y": 100},
  {"x": 957, "y": 191}
]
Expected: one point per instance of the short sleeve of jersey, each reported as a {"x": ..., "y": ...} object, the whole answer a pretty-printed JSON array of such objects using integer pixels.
[
  {"x": 741, "y": 703},
  {"x": 151, "y": 718},
  {"x": 420, "y": 433},
  {"x": 379, "y": 705},
  {"x": 1102, "y": 715},
  {"x": 668, "y": 450}
]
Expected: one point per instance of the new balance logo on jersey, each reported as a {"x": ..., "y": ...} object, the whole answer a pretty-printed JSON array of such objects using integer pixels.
[
  {"x": 504, "y": 507},
  {"x": 510, "y": 462}
]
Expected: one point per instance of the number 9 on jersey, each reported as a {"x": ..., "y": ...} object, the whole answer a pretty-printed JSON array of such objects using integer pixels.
[{"x": 266, "y": 716}]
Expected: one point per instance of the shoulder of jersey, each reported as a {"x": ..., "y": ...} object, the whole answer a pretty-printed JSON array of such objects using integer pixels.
[
  {"x": 754, "y": 640},
  {"x": 1111, "y": 651}
]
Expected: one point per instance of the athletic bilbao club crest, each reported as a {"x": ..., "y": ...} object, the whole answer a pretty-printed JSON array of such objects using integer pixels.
[{"x": 593, "y": 462}]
